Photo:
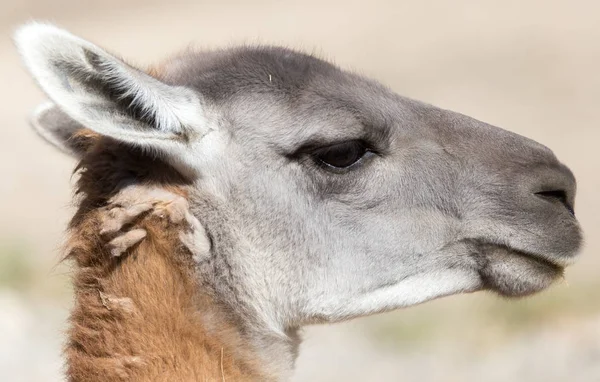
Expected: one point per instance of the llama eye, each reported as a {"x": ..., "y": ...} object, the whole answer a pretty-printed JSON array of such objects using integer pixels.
[{"x": 341, "y": 155}]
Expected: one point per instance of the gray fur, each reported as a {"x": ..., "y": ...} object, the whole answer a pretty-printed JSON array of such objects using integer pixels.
[{"x": 446, "y": 205}]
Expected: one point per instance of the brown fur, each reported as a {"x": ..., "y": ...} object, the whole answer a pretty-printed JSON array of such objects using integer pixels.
[{"x": 142, "y": 316}]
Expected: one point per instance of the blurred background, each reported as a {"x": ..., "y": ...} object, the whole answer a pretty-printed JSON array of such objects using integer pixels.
[{"x": 532, "y": 67}]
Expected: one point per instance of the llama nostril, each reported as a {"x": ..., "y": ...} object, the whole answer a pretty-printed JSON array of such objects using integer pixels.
[{"x": 557, "y": 195}]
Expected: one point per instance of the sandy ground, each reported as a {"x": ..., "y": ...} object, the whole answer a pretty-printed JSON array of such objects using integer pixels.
[{"x": 528, "y": 66}]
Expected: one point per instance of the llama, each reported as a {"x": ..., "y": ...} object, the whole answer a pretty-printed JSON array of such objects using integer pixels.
[{"x": 229, "y": 198}]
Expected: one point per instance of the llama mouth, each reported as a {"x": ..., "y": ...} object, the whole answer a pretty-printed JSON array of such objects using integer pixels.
[
  {"x": 542, "y": 260},
  {"x": 514, "y": 273}
]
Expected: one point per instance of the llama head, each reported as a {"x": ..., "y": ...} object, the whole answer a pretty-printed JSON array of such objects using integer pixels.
[{"x": 326, "y": 195}]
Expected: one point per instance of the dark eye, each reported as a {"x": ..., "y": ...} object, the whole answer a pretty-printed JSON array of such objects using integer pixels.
[{"x": 341, "y": 155}]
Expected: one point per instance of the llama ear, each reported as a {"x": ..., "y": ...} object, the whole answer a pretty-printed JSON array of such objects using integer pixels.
[
  {"x": 61, "y": 131},
  {"x": 108, "y": 96}
]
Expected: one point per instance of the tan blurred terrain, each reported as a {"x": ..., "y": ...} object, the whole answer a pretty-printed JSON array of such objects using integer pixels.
[{"x": 532, "y": 67}]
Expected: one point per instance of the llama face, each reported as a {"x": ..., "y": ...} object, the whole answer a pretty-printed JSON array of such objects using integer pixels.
[
  {"x": 354, "y": 200},
  {"x": 330, "y": 196}
]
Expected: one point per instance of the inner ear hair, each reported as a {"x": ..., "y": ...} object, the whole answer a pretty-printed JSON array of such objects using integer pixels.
[
  {"x": 108, "y": 80},
  {"x": 127, "y": 96}
]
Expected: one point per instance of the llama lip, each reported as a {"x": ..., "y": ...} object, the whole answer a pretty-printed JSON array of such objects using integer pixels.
[
  {"x": 514, "y": 273},
  {"x": 539, "y": 258},
  {"x": 557, "y": 196},
  {"x": 542, "y": 260}
]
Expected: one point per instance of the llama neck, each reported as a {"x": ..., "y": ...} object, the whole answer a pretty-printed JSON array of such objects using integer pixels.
[{"x": 143, "y": 316}]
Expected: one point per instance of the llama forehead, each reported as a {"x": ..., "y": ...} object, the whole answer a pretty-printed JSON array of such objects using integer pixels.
[
  {"x": 223, "y": 74},
  {"x": 287, "y": 87}
]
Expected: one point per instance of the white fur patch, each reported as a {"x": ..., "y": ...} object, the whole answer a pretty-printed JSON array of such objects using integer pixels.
[{"x": 411, "y": 291}]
